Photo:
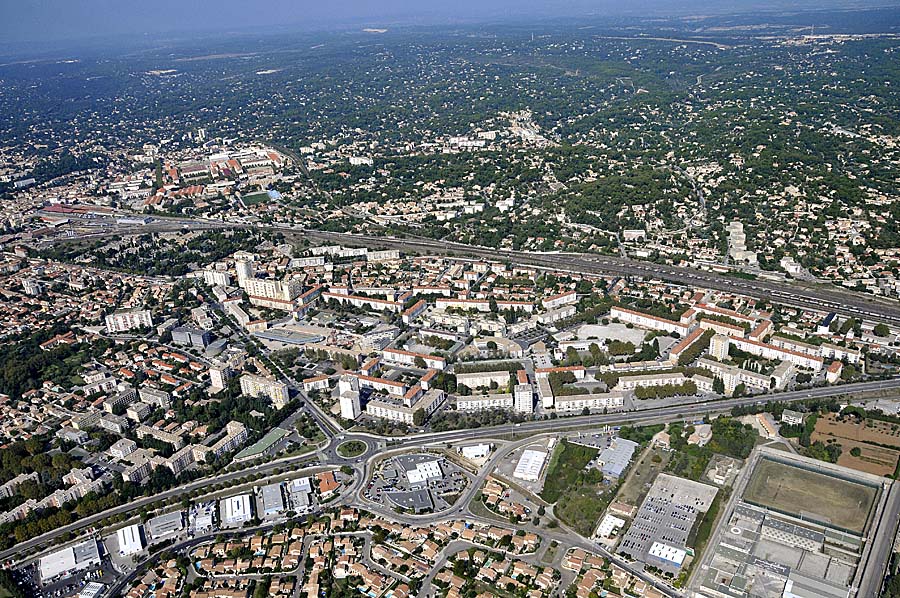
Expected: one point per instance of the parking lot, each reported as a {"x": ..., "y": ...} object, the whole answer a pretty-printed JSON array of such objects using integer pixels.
[{"x": 419, "y": 482}]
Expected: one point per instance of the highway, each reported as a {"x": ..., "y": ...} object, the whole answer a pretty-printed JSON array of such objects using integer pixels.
[
  {"x": 373, "y": 442},
  {"x": 821, "y": 298}
]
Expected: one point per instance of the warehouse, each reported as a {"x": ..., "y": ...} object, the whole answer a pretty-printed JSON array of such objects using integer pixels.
[
  {"x": 164, "y": 526},
  {"x": 129, "y": 540},
  {"x": 530, "y": 465},
  {"x": 235, "y": 510},
  {"x": 70, "y": 560},
  {"x": 271, "y": 501}
]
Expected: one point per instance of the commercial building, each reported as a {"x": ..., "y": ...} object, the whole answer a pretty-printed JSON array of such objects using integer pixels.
[
  {"x": 123, "y": 321},
  {"x": 129, "y": 540},
  {"x": 614, "y": 459},
  {"x": 165, "y": 526},
  {"x": 424, "y": 472},
  {"x": 271, "y": 501},
  {"x": 530, "y": 465},
  {"x": 235, "y": 510},
  {"x": 191, "y": 337},
  {"x": 659, "y": 533},
  {"x": 69, "y": 561}
]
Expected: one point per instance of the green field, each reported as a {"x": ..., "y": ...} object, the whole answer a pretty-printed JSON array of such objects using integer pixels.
[
  {"x": 795, "y": 491},
  {"x": 256, "y": 198}
]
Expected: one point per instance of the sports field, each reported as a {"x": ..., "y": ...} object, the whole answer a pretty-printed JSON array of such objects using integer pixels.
[{"x": 797, "y": 492}]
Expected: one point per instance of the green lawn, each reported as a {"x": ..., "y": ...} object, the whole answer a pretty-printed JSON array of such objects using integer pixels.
[{"x": 351, "y": 448}]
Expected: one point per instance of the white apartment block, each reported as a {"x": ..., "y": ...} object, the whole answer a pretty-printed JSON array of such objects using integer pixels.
[
  {"x": 279, "y": 290},
  {"x": 631, "y": 382},
  {"x": 260, "y": 387},
  {"x": 397, "y": 411},
  {"x": 235, "y": 436},
  {"x": 123, "y": 321},
  {"x": 365, "y": 302},
  {"x": 349, "y": 403},
  {"x": 483, "y": 379},
  {"x": 408, "y": 358},
  {"x": 767, "y": 351},
  {"x": 481, "y": 402},
  {"x": 557, "y": 301},
  {"x": 609, "y": 400},
  {"x": 523, "y": 398}
]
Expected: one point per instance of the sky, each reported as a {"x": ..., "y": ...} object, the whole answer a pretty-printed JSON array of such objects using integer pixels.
[{"x": 51, "y": 21}]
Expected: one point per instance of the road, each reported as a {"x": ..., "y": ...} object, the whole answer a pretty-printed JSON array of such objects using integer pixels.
[
  {"x": 374, "y": 442},
  {"x": 820, "y": 298},
  {"x": 816, "y": 297}
]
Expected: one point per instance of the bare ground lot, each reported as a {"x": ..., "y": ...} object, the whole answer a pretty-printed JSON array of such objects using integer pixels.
[
  {"x": 797, "y": 491},
  {"x": 642, "y": 474},
  {"x": 869, "y": 430},
  {"x": 851, "y": 434},
  {"x": 872, "y": 459}
]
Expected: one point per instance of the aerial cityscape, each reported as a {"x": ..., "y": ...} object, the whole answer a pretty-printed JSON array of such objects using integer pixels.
[{"x": 538, "y": 300}]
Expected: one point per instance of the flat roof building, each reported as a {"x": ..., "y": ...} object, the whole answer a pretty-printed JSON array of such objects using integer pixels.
[
  {"x": 271, "y": 500},
  {"x": 69, "y": 560},
  {"x": 235, "y": 510},
  {"x": 164, "y": 526},
  {"x": 129, "y": 540},
  {"x": 530, "y": 465}
]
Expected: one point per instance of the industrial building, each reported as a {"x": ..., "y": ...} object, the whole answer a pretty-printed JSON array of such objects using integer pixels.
[
  {"x": 530, "y": 465},
  {"x": 69, "y": 560},
  {"x": 235, "y": 510},
  {"x": 271, "y": 501},
  {"x": 129, "y": 540}
]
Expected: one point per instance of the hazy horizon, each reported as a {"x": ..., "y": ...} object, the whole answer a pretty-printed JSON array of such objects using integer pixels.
[{"x": 60, "y": 21}]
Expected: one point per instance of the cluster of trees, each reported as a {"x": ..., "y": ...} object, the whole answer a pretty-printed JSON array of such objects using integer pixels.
[
  {"x": 561, "y": 383},
  {"x": 458, "y": 420},
  {"x": 693, "y": 352},
  {"x": 25, "y": 366},
  {"x": 666, "y": 390},
  {"x": 152, "y": 255}
]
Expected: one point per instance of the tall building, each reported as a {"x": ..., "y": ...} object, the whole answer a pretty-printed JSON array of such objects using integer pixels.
[
  {"x": 350, "y": 407},
  {"x": 260, "y": 387},
  {"x": 718, "y": 347},
  {"x": 244, "y": 269},
  {"x": 523, "y": 395},
  {"x": 219, "y": 375}
]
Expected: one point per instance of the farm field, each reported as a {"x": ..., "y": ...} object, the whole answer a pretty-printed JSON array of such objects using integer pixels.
[{"x": 796, "y": 491}]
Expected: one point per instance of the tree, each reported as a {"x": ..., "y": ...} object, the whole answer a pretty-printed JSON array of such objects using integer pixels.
[
  {"x": 418, "y": 417},
  {"x": 420, "y": 362},
  {"x": 881, "y": 330},
  {"x": 718, "y": 385}
]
